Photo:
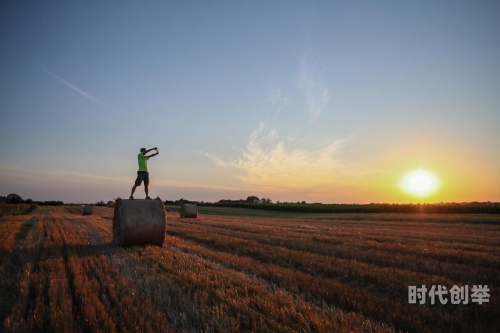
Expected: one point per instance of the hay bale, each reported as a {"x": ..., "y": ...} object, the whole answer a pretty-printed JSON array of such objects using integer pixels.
[
  {"x": 139, "y": 222},
  {"x": 111, "y": 204},
  {"x": 189, "y": 211},
  {"x": 88, "y": 209}
]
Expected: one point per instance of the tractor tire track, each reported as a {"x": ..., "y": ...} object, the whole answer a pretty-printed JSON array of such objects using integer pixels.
[{"x": 13, "y": 268}]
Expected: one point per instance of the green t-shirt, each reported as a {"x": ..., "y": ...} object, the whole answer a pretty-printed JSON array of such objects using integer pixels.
[{"x": 143, "y": 162}]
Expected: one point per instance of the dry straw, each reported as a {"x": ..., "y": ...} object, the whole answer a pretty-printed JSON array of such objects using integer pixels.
[
  {"x": 189, "y": 211},
  {"x": 139, "y": 222},
  {"x": 87, "y": 209}
]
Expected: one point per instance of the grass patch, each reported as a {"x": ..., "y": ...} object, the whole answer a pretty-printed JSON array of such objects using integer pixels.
[
  {"x": 16, "y": 209},
  {"x": 375, "y": 217}
]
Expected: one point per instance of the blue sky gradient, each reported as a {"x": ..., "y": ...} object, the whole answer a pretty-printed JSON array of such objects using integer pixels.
[{"x": 328, "y": 101}]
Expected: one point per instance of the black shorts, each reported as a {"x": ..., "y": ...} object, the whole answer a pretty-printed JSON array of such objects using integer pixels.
[{"x": 142, "y": 175}]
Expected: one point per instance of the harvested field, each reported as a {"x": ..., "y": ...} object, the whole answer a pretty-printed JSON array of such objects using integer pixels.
[{"x": 60, "y": 272}]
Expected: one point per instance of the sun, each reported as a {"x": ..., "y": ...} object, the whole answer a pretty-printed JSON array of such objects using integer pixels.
[{"x": 420, "y": 182}]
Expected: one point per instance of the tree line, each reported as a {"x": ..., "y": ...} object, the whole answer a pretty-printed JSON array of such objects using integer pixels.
[
  {"x": 14, "y": 198},
  {"x": 471, "y": 208},
  {"x": 254, "y": 202}
]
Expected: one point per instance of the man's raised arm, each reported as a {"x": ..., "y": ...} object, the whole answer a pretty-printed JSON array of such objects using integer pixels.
[{"x": 147, "y": 151}]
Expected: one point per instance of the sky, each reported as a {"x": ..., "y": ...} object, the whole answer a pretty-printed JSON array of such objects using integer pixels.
[{"x": 316, "y": 101}]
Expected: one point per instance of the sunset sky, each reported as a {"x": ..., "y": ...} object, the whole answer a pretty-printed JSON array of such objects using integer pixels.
[{"x": 322, "y": 101}]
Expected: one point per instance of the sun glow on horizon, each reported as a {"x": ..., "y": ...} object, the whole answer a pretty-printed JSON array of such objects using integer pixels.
[{"x": 420, "y": 182}]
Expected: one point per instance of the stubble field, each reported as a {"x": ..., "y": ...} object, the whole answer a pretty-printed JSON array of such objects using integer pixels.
[{"x": 60, "y": 272}]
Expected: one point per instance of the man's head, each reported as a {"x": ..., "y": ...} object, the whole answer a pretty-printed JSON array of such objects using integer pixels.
[{"x": 143, "y": 150}]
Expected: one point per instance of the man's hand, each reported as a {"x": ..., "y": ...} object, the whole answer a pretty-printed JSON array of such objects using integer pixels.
[{"x": 155, "y": 148}]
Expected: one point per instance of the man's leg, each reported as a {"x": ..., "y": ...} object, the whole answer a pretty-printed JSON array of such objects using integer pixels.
[
  {"x": 146, "y": 184},
  {"x": 138, "y": 182}
]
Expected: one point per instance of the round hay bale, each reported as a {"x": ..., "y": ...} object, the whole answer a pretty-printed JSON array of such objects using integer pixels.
[
  {"x": 139, "y": 222},
  {"x": 88, "y": 209},
  {"x": 111, "y": 204},
  {"x": 189, "y": 211}
]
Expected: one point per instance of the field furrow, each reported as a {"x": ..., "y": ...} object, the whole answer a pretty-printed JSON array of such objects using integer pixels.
[
  {"x": 61, "y": 273},
  {"x": 205, "y": 295},
  {"x": 442, "y": 266},
  {"x": 71, "y": 286},
  {"x": 374, "y": 276}
]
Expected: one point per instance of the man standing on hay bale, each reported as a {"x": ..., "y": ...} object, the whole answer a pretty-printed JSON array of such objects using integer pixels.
[{"x": 143, "y": 174}]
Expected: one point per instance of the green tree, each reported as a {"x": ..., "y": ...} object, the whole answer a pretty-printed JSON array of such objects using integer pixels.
[
  {"x": 14, "y": 198},
  {"x": 253, "y": 198}
]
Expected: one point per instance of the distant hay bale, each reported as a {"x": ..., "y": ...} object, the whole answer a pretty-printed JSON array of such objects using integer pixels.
[
  {"x": 111, "y": 203},
  {"x": 139, "y": 222},
  {"x": 88, "y": 209},
  {"x": 189, "y": 211}
]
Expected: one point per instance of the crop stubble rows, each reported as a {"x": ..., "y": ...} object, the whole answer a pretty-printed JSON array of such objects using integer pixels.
[{"x": 60, "y": 272}]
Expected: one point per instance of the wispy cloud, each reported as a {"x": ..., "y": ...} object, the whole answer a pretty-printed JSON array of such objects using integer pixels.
[
  {"x": 215, "y": 160},
  {"x": 104, "y": 115},
  {"x": 278, "y": 101},
  {"x": 316, "y": 93},
  {"x": 34, "y": 176},
  {"x": 74, "y": 88},
  {"x": 273, "y": 164}
]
